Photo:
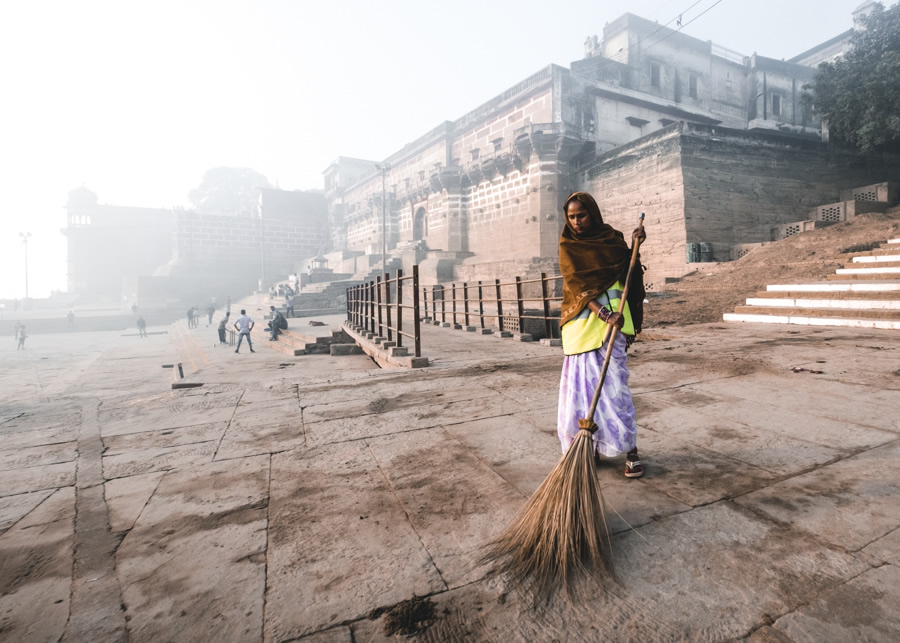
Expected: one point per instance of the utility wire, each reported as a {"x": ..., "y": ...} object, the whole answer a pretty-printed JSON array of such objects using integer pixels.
[{"x": 668, "y": 35}]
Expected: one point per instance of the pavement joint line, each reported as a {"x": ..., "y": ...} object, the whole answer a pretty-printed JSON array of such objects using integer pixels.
[
  {"x": 421, "y": 428},
  {"x": 96, "y": 607},
  {"x": 265, "y": 587},
  {"x": 228, "y": 427},
  {"x": 405, "y": 513}
]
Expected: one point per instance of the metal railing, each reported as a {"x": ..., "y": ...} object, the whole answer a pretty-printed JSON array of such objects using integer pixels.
[
  {"x": 459, "y": 304},
  {"x": 380, "y": 307}
]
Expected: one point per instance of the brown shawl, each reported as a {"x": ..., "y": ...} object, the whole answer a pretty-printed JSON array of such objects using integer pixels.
[{"x": 590, "y": 265}]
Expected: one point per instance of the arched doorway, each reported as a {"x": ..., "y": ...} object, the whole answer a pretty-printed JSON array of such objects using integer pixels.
[{"x": 420, "y": 225}]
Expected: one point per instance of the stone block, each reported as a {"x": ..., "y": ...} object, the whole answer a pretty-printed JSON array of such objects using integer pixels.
[
  {"x": 338, "y": 350},
  {"x": 504, "y": 333},
  {"x": 471, "y": 329},
  {"x": 445, "y": 324},
  {"x": 398, "y": 351},
  {"x": 551, "y": 342},
  {"x": 387, "y": 345},
  {"x": 523, "y": 337}
]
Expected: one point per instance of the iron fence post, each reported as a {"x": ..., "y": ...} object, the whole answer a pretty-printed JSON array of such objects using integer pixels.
[
  {"x": 399, "y": 308},
  {"x": 546, "y": 305},
  {"x": 520, "y": 304},
  {"x": 417, "y": 338}
]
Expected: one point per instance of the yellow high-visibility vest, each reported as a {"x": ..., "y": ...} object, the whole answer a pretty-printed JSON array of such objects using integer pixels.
[{"x": 585, "y": 332}]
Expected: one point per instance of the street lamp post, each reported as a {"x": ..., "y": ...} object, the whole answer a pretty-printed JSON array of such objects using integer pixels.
[
  {"x": 384, "y": 168},
  {"x": 25, "y": 236}
]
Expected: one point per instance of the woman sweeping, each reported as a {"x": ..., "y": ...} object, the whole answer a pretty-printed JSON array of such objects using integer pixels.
[{"x": 594, "y": 259}]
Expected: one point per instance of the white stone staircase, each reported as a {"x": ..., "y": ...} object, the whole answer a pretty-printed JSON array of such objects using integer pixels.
[{"x": 863, "y": 294}]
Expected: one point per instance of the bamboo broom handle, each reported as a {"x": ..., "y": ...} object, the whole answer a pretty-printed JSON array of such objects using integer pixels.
[{"x": 611, "y": 329}]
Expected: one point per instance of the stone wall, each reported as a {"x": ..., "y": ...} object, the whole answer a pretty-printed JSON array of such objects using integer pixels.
[
  {"x": 645, "y": 176},
  {"x": 209, "y": 241},
  {"x": 738, "y": 184}
]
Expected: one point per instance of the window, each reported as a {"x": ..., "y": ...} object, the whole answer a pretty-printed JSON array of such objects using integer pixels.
[
  {"x": 692, "y": 85},
  {"x": 474, "y": 153},
  {"x": 654, "y": 74},
  {"x": 498, "y": 142},
  {"x": 776, "y": 105}
]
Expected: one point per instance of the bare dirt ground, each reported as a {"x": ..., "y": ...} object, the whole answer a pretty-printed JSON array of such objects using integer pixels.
[{"x": 716, "y": 288}]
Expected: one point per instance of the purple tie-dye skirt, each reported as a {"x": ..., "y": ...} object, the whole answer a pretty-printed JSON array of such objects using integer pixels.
[{"x": 617, "y": 430}]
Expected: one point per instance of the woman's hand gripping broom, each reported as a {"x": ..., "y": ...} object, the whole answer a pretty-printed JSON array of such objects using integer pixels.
[{"x": 560, "y": 536}]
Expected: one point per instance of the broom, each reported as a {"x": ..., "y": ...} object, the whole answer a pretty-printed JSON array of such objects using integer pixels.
[{"x": 560, "y": 537}]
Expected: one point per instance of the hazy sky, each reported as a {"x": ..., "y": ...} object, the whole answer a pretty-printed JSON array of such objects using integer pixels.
[{"x": 136, "y": 100}]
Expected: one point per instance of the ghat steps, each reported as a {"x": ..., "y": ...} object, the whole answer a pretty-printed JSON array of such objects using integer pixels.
[{"x": 863, "y": 294}]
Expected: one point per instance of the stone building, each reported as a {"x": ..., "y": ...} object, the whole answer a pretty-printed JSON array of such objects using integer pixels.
[
  {"x": 715, "y": 146},
  {"x": 109, "y": 246},
  {"x": 164, "y": 258}
]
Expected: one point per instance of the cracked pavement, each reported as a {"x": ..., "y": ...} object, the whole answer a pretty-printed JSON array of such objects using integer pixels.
[{"x": 287, "y": 498}]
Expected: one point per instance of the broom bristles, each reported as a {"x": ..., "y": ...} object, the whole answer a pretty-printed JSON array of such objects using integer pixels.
[{"x": 559, "y": 538}]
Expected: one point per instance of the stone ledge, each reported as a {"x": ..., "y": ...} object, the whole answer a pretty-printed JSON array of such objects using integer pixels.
[{"x": 385, "y": 354}]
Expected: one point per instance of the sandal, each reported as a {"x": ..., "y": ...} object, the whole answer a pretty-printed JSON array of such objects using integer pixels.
[{"x": 633, "y": 469}]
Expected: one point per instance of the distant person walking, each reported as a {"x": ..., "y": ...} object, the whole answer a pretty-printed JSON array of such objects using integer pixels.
[
  {"x": 142, "y": 326},
  {"x": 70, "y": 320},
  {"x": 289, "y": 305},
  {"x": 222, "y": 326},
  {"x": 190, "y": 317},
  {"x": 209, "y": 311},
  {"x": 16, "y": 328},
  {"x": 20, "y": 338},
  {"x": 243, "y": 325},
  {"x": 134, "y": 308}
]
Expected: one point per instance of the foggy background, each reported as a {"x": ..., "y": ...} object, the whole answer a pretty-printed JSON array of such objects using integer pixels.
[{"x": 136, "y": 101}]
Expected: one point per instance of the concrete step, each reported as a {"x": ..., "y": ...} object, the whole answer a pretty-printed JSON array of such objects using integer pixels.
[
  {"x": 877, "y": 252},
  {"x": 838, "y": 303},
  {"x": 886, "y": 314},
  {"x": 287, "y": 349},
  {"x": 893, "y": 257},
  {"x": 838, "y": 295},
  {"x": 872, "y": 265},
  {"x": 870, "y": 270},
  {"x": 860, "y": 285},
  {"x": 893, "y": 240},
  {"x": 798, "y": 319},
  {"x": 842, "y": 274}
]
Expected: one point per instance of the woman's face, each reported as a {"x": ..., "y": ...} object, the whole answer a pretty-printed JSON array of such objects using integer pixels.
[{"x": 579, "y": 218}]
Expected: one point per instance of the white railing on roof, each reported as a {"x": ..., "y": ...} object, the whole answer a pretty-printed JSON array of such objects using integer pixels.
[{"x": 727, "y": 54}]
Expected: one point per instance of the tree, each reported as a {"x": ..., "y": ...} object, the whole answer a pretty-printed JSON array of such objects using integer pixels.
[
  {"x": 229, "y": 190},
  {"x": 858, "y": 95}
]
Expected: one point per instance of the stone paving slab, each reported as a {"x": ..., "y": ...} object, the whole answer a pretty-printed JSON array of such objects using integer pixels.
[
  {"x": 158, "y": 459},
  {"x": 848, "y": 504},
  {"x": 127, "y": 497},
  {"x": 177, "y": 436},
  {"x": 48, "y": 476},
  {"x": 15, "y": 440},
  {"x": 865, "y": 609},
  {"x": 34, "y": 456},
  {"x": 746, "y": 441},
  {"x": 793, "y": 421},
  {"x": 886, "y": 548},
  {"x": 422, "y": 417},
  {"x": 36, "y": 570},
  {"x": 194, "y": 566},
  {"x": 14, "y": 508},
  {"x": 453, "y": 509},
  {"x": 315, "y": 583},
  {"x": 747, "y": 570},
  {"x": 249, "y": 436},
  {"x": 695, "y": 475}
]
